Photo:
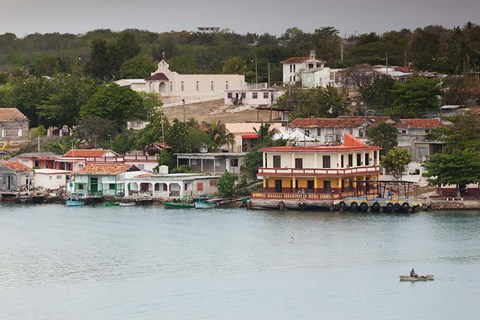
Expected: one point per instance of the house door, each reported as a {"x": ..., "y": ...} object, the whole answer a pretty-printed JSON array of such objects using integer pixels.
[
  {"x": 310, "y": 186},
  {"x": 93, "y": 185},
  {"x": 326, "y": 186},
  {"x": 278, "y": 185}
]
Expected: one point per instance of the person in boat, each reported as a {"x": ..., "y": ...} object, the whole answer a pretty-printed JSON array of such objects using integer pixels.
[{"x": 413, "y": 274}]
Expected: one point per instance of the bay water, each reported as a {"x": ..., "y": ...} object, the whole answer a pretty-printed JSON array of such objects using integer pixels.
[{"x": 109, "y": 263}]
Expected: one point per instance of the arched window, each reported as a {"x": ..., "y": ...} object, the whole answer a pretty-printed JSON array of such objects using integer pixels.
[
  {"x": 211, "y": 86},
  {"x": 197, "y": 86},
  {"x": 182, "y": 86}
]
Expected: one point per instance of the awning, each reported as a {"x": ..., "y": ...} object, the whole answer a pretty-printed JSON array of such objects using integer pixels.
[{"x": 250, "y": 136}]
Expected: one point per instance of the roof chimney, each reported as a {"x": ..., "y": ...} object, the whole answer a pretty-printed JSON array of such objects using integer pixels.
[{"x": 312, "y": 54}]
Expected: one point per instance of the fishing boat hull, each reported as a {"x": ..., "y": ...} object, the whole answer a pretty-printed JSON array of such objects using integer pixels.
[
  {"x": 178, "y": 205},
  {"x": 75, "y": 203},
  {"x": 426, "y": 277}
]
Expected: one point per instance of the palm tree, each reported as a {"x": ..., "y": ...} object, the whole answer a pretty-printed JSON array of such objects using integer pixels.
[
  {"x": 265, "y": 135},
  {"x": 219, "y": 134}
]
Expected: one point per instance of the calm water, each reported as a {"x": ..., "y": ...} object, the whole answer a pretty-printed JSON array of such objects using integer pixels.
[{"x": 148, "y": 263}]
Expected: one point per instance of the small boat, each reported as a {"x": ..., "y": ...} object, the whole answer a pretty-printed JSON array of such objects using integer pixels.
[
  {"x": 204, "y": 202},
  {"x": 181, "y": 203},
  {"x": 126, "y": 204},
  {"x": 72, "y": 202},
  {"x": 426, "y": 277},
  {"x": 111, "y": 204}
]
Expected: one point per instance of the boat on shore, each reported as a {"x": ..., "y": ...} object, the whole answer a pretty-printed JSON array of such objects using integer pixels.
[
  {"x": 181, "y": 203},
  {"x": 426, "y": 277}
]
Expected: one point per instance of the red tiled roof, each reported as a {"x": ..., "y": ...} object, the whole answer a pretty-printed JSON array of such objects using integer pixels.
[
  {"x": 299, "y": 60},
  {"x": 158, "y": 76},
  {"x": 339, "y": 122},
  {"x": 86, "y": 153},
  {"x": 104, "y": 169},
  {"x": 11, "y": 114},
  {"x": 14, "y": 165},
  {"x": 418, "y": 123}
]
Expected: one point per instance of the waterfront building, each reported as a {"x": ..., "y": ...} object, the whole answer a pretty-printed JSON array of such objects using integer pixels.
[
  {"x": 100, "y": 179},
  {"x": 212, "y": 162},
  {"x": 317, "y": 175},
  {"x": 165, "y": 186},
  {"x": 51, "y": 179},
  {"x": 37, "y": 160},
  {"x": 15, "y": 177}
]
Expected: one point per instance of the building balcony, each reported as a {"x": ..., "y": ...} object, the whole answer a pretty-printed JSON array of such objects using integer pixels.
[{"x": 306, "y": 172}]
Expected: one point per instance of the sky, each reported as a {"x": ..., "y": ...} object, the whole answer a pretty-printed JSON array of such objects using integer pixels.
[{"x": 24, "y": 17}]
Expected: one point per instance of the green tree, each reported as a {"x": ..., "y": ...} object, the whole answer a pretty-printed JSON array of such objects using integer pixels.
[
  {"x": 463, "y": 134},
  {"x": 116, "y": 104},
  {"x": 379, "y": 95},
  {"x": 95, "y": 130},
  {"x": 265, "y": 134},
  {"x": 234, "y": 65},
  {"x": 99, "y": 65},
  {"x": 126, "y": 47},
  {"x": 63, "y": 107},
  {"x": 395, "y": 161},
  {"x": 458, "y": 168},
  {"x": 138, "y": 67},
  {"x": 219, "y": 134},
  {"x": 383, "y": 135},
  {"x": 415, "y": 98},
  {"x": 178, "y": 137},
  {"x": 226, "y": 184},
  {"x": 251, "y": 162}
]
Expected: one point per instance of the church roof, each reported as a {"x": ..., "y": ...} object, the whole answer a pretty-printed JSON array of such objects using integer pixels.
[{"x": 158, "y": 76}]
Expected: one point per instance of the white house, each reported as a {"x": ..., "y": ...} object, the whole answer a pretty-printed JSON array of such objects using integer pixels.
[
  {"x": 293, "y": 67},
  {"x": 52, "y": 179},
  {"x": 165, "y": 186},
  {"x": 252, "y": 97}
]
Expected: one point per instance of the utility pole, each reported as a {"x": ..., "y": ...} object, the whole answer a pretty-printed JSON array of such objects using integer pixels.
[
  {"x": 183, "y": 102},
  {"x": 256, "y": 70},
  {"x": 268, "y": 68}
]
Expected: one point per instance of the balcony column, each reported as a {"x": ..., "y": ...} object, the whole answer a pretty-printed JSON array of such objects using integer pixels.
[
  {"x": 315, "y": 185},
  {"x": 264, "y": 184},
  {"x": 293, "y": 184}
]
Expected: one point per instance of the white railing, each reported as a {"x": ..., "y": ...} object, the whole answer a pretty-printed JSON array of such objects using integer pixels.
[{"x": 314, "y": 172}]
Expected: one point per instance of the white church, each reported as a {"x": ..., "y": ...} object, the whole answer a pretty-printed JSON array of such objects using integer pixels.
[{"x": 172, "y": 85}]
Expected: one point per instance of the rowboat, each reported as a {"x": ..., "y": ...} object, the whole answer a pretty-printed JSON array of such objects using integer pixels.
[
  {"x": 426, "y": 277},
  {"x": 184, "y": 202},
  {"x": 74, "y": 202},
  {"x": 126, "y": 204}
]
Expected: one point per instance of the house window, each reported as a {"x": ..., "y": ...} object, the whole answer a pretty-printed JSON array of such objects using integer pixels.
[
  {"x": 199, "y": 186},
  {"x": 182, "y": 86},
  {"x": 291, "y": 68},
  {"x": 80, "y": 186},
  {"x": 422, "y": 152},
  {"x": 229, "y": 95},
  {"x": 226, "y": 85},
  {"x": 326, "y": 162},
  {"x": 197, "y": 86},
  {"x": 326, "y": 186},
  {"x": 359, "y": 160},
  {"x": 216, "y": 162},
  {"x": 254, "y": 95},
  {"x": 194, "y": 162},
  {"x": 244, "y": 95},
  {"x": 111, "y": 186},
  {"x": 277, "y": 162},
  {"x": 20, "y": 131},
  {"x": 50, "y": 178},
  {"x": 213, "y": 183},
  {"x": 59, "y": 177},
  {"x": 171, "y": 86},
  {"x": 350, "y": 160},
  {"x": 307, "y": 132},
  {"x": 298, "y": 163},
  {"x": 341, "y": 161},
  {"x": 265, "y": 95},
  {"x": 234, "y": 162},
  {"x": 211, "y": 85},
  {"x": 278, "y": 185},
  {"x": 367, "y": 160}
]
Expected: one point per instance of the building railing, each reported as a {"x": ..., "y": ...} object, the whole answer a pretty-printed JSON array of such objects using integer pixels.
[
  {"x": 316, "y": 172},
  {"x": 122, "y": 159},
  {"x": 314, "y": 196}
]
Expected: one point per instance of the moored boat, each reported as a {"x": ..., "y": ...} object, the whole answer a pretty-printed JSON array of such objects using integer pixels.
[
  {"x": 426, "y": 277},
  {"x": 181, "y": 203},
  {"x": 111, "y": 204},
  {"x": 71, "y": 202},
  {"x": 204, "y": 202}
]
